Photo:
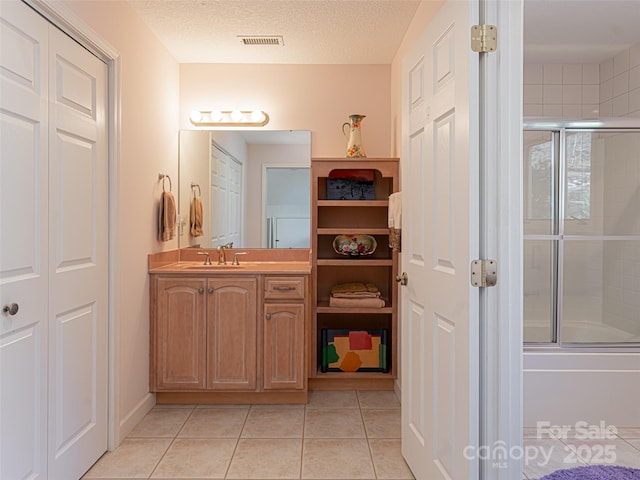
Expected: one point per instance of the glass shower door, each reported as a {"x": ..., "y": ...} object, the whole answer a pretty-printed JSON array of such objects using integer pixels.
[
  {"x": 601, "y": 237},
  {"x": 581, "y": 236},
  {"x": 540, "y": 235}
]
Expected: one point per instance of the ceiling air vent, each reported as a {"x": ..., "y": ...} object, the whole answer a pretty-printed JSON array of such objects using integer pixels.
[{"x": 261, "y": 40}]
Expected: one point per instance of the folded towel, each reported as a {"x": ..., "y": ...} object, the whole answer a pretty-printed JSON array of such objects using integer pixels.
[
  {"x": 354, "y": 287},
  {"x": 356, "y": 302},
  {"x": 356, "y": 295},
  {"x": 196, "y": 217},
  {"x": 395, "y": 210},
  {"x": 167, "y": 217}
]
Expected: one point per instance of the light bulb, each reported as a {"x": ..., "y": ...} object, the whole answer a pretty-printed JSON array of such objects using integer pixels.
[
  {"x": 236, "y": 115},
  {"x": 196, "y": 117},
  {"x": 257, "y": 116},
  {"x": 215, "y": 115}
]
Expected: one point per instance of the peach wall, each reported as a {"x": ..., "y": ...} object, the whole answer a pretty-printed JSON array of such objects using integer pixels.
[
  {"x": 424, "y": 14},
  {"x": 297, "y": 97},
  {"x": 149, "y": 145}
]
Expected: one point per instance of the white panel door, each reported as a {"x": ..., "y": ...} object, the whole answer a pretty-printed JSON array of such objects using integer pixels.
[
  {"x": 53, "y": 251},
  {"x": 78, "y": 254},
  {"x": 219, "y": 197},
  {"x": 439, "y": 308},
  {"x": 235, "y": 202},
  {"x": 23, "y": 242},
  {"x": 226, "y": 199}
]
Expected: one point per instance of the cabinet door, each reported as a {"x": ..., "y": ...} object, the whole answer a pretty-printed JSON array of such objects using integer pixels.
[
  {"x": 180, "y": 334},
  {"x": 231, "y": 333},
  {"x": 284, "y": 346}
]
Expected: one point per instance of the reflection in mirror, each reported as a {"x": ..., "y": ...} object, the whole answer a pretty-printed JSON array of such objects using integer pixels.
[{"x": 246, "y": 187}]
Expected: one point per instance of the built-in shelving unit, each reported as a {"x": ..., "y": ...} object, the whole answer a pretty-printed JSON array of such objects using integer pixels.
[{"x": 337, "y": 217}]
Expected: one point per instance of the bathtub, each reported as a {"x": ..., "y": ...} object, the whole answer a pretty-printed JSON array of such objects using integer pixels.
[
  {"x": 570, "y": 384},
  {"x": 583, "y": 332}
]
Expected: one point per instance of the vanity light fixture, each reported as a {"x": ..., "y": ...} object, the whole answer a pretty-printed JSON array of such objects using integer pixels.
[{"x": 229, "y": 118}]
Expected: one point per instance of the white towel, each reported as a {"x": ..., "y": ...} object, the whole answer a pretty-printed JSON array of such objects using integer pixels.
[{"x": 395, "y": 210}]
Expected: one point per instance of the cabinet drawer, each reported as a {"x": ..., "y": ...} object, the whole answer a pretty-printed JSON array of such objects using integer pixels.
[{"x": 284, "y": 288}]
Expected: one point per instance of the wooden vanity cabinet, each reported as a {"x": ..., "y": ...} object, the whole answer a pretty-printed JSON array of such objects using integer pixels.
[
  {"x": 240, "y": 335},
  {"x": 283, "y": 333},
  {"x": 179, "y": 347},
  {"x": 231, "y": 333}
]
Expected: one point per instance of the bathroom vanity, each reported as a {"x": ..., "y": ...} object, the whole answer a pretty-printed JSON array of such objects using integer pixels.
[{"x": 229, "y": 333}]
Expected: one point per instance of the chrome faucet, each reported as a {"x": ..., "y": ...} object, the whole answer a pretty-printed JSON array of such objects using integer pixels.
[{"x": 207, "y": 259}]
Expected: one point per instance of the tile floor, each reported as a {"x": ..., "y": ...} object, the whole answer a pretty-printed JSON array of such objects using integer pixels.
[
  {"x": 559, "y": 453},
  {"x": 337, "y": 435}
]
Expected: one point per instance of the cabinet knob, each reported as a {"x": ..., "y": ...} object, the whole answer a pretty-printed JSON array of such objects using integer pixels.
[
  {"x": 210, "y": 290},
  {"x": 200, "y": 290},
  {"x": 11, "y": 309},
  {"x": 268, "y": 316}
]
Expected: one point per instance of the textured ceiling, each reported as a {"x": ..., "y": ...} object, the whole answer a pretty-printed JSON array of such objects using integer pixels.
[
  {"x": 370, "y": 31},
  {"x": 314, "y": 31}
]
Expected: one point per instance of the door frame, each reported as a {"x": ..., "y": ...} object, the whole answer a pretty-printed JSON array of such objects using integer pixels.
[
  {"x": 264, "y": 239},
  {"x": 63, "y": 18},
  {"x": 501, "y": 239}
]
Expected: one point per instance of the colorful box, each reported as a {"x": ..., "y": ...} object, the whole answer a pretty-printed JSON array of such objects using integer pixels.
[{"x": 354, "y": 350}]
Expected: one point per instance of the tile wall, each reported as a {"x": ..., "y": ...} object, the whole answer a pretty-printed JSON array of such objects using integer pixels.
[{"x": 584, "y": 90}]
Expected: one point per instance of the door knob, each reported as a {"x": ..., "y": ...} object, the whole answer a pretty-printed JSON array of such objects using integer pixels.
[
  {"x": 402, "y": 279},
  {"x": 11, "y": 309}
]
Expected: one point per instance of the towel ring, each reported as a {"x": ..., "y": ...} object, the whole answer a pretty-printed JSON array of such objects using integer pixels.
[
  {"x": 162, "y": 176},
  {"x": 195, "y": 186}
]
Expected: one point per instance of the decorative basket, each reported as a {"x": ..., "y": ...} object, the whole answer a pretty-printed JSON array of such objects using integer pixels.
[{"x": 354, "y": 245}]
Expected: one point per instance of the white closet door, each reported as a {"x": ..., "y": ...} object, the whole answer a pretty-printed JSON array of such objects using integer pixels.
[
  {"x": 219, "y": 197},
  {"x": 235, "y": 202},
  {"x": 23, "y": 242},
  {"x": 53, "y": 251},
  {"x": 226, "y": 199},
  {"x": 78, "y": 253}
]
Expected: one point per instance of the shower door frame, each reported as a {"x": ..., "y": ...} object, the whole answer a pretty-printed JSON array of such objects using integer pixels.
[{"x": 558, "y": 130}]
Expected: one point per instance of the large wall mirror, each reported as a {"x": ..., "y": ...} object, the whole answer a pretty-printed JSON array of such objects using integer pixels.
[{"x": 246, "y": 187}]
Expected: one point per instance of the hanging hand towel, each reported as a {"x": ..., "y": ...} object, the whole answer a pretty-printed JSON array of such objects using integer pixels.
[
  {"x": 167, "y": 217},
  {"x": 196, "y": 217},
  {"x": 395, "y": 210},
  {"x": 395, "y": 219}
]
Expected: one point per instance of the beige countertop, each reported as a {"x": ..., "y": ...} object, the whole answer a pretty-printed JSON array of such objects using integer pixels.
[
  {"x": 245, "y": 268},
  {"x": 252, "y": 262}
]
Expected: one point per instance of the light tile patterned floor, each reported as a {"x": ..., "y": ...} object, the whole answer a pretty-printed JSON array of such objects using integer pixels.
[
  {"x": 337, "y": 435},
  {"x": 561, "y": 453}
]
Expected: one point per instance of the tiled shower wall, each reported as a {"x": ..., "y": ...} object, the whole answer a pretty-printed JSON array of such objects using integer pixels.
[{"x": 584, "y": 90}]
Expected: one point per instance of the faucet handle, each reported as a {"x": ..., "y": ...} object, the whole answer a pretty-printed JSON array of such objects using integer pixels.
[
  {"x": 207, "y": 260},
  {"x": 235, "y": 257}
]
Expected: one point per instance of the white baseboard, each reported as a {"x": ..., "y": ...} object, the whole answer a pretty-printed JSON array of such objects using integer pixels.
[
  {"x": 398, "y": 389},
  {"x": 135, "y": 415}
]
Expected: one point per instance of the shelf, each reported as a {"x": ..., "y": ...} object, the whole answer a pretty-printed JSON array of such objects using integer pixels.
[
  {"x": 355, "y": 262},
  {"x": 325, "y": 308},
  {"x": 353, "y": 231},
  {"x": 321, "y": 374},
  {"x": 353, "y": 203},
  {"x": 353, "y": 217}
]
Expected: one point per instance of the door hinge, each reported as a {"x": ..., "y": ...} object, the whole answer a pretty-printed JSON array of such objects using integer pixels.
[
  {"x": 484, "y": 273},
  {"x": 484, "y": 38}
]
